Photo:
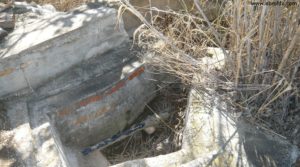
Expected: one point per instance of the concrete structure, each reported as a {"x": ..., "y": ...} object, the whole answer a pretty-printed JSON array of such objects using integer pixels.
[
  {"x": 37, "y": 52},
  {"x": 77, "y": 84}
]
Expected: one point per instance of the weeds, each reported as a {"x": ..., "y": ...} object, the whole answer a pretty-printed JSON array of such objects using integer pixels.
[{"x": 261, "y": 44}]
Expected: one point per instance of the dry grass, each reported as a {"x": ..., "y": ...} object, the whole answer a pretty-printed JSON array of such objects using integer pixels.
[
  {"x": 168, "y": 134},
  {"x": 141, "y": 145},
  {"x": 262, "y": 43}
]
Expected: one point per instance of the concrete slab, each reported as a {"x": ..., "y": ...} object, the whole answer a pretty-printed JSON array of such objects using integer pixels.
[
  {"x": 39, "y": 51},
  {"x": 90, "y": 73}
]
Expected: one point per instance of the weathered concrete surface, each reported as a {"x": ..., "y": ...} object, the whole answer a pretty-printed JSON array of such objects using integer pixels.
[
  {"x": 96, "y": 116},
  {"x": 39, "y": 51},
  {"x": 85, "y": 86},
  {"x": 104, "y": 112},
  {"x": 24, "y": 7},
  {"x": 90, "y": 73},
  {"x": 235, "y": 142},
  {"x": 97, "y": 111},
  {"x": 89, "y": 102}
]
